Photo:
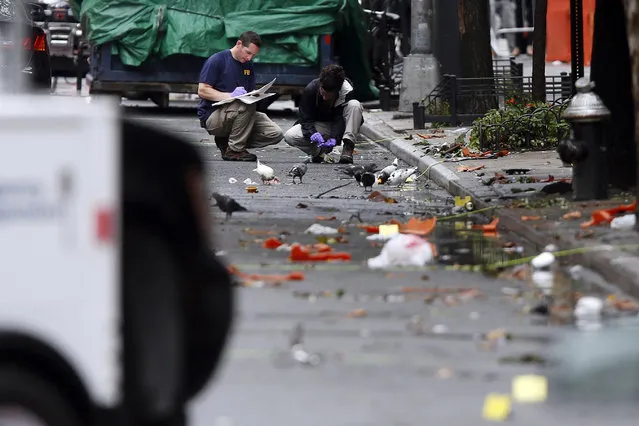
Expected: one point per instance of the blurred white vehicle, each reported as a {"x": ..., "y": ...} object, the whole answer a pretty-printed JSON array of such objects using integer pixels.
[{"x": 106, "y": 315}]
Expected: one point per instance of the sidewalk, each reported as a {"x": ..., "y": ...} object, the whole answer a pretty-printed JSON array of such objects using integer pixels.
[{"x": 522, "y": 207}]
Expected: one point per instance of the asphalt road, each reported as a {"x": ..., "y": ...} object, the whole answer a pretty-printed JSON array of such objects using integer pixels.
[
  {"x": 374, "y": 370},
  {"x": 380, "y": 355}
]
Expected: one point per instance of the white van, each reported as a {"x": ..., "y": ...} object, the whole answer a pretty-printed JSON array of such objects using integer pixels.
[{"x": 113, "y": 309}]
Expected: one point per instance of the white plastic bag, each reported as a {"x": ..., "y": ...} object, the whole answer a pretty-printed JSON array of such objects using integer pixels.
[{"x": 404, "y": 250}]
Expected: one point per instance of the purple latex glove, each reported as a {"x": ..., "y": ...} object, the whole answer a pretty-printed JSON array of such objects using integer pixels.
[
  {"x": 239, "y": 91},
  {"x": 328, "y": 144},
  {"x": 317, "y": 138}
]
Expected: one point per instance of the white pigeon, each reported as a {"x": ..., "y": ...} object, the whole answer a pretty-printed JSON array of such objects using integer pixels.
[
  {"x": 388, "y": 170},
  {"x": 266, "y": 173},
  {"x": 399, "y": 176}
]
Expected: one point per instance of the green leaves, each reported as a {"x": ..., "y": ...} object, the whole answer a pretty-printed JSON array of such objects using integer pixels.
[{"x": 520, "y": 125}]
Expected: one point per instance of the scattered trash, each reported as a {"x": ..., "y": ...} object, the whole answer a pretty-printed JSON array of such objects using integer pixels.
[
  {"x": 379, "y": 197},
  {"x": 317, "y": 229},
  {"x": 440, "y": 329},
  {"x": 606, "y": 216},
  {"x": 527, "y": 218},
  {"x": 260, "y": 280},
  {"x": 232, "y": 180},
  {"x": 543, "y": 261},
  {"x": 248, "y": 181},
  {"x": 470, "y": 169},
  {"x": 251, "y": 231},
  {"x": 624, "y": 222},
  {"x": 572, "y": 215},
  {"x": 325, "y": 218},
  {"x": 252, "y": 189},
  {"x": 357, "y": 313},
  {"x": 588, "y": 307},
  {"x": 301, "y": 206},
  {"x": 404, "y": 250},
  {"x": 272, "y": 243},
  {"x": 497, "y": 407},
  {"x": 524, "y": 359},
  {"x": 530, "y": 388},
  {"x": 299, "y": 254}
]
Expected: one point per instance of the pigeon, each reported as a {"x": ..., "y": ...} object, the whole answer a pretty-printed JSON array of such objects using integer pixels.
[
  {"x": 368, "y": 179},
  {"x": 266, "y": 173},
  {"x": 399, "y": 176},
  {"x": 298, "y": 171},
  {"x": 357, "y": 171},
  {"x": 386, "y": 171},
  {"x": 227, "y": 204}
]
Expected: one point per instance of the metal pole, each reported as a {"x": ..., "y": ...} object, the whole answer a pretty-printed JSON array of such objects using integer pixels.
[
  {"x": 421, "y": 27},
  {"x": 576, "y": 41}
]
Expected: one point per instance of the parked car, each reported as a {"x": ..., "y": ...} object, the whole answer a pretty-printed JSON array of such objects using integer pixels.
[{"x": 24, "y": 50}]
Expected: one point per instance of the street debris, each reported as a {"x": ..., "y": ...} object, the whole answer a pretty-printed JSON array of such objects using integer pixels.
[
  {"x": 304, "y": 254},
  {"x": 624, "y": 222},
  {"x": 605, "y": 216},
  {"x": 252, "y": 189},
  {"x": 530, "y": 388},
  {"x": 317, "y": 229},
  {"x": 572, "y": 215},
  {"x": 227, "y": 204},
  {"x": 404, "y": 250},
  {"x": 262, "y": 280},
  {"x": 357, "y": 313},
  {"x": 379, "y": 197},
  {"x": 249, "y": 181},
  {"x": 470, "y": 169},
  {"x": 497, "y": 407},
  {"x": 232, "y": 180}
]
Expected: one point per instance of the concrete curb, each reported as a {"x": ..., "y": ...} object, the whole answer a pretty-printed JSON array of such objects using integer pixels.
[{"x": 616, "y": 266}]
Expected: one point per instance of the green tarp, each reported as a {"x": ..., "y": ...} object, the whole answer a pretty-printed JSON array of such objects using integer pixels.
[{"x": 139, "y": 29}]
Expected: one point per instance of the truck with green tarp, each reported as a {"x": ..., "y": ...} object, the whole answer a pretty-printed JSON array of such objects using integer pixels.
[{"x": 146, "y": 49}]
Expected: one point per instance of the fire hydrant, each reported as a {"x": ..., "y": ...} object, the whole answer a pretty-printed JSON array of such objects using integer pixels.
[{"x": 586, "y": 148}]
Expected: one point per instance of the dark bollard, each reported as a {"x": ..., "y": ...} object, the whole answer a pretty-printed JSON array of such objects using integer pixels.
[
  {"x": 384, "y": 98},
  {"x": 587, "y": 147},
  {"x": 418, "y": 116}
]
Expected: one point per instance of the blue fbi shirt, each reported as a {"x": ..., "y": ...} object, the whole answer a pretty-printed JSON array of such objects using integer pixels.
[{"x": 222, "y": 72}]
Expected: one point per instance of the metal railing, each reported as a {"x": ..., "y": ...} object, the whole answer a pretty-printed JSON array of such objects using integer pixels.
[{"x": 459, "y": 100}]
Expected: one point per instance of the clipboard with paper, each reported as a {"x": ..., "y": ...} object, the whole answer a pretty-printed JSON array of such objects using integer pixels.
[{"x": 252, "y": 96}]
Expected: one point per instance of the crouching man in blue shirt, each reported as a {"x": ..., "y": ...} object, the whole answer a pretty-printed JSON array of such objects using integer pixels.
[{"x": 235, "y": 125}]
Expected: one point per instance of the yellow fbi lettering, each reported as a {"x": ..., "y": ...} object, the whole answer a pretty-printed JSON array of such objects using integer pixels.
[{"x": 247, "y": 72}]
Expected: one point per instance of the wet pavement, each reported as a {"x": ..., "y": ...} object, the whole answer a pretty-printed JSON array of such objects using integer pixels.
[
  {"x": 348, "y": 345},
  {"x": 394, "y": 347}
]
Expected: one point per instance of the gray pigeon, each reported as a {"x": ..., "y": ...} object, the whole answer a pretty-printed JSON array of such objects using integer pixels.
[
  {"x": 227, "y": 204},
  {"x": 298, "y": 171}
]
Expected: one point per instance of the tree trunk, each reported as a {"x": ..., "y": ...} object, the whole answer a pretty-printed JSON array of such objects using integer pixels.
[
  {"x": 632, "y": 27},
  {"x": 476, "y": 54},
  {"x": 539, "y": 52}
]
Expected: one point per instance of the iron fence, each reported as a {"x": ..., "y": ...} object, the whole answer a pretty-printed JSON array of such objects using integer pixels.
[{"x": 458, "y": 100}]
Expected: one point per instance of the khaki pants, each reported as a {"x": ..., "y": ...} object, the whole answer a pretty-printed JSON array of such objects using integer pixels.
[
  {"x": 244, "y": 126},
  {"x": 349, "y": 123}
]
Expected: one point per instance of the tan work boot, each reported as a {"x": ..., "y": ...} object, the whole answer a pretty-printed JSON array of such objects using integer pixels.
[{"x": 347, "y": 152}]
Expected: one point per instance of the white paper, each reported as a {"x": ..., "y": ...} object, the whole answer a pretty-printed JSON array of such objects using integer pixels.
[{"x": 252, "y": 96}]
